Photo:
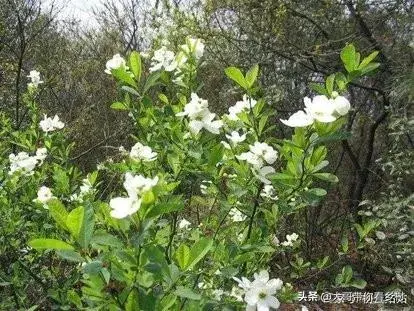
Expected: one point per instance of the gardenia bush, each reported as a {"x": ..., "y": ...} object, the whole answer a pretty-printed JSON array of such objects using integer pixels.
[{"x": 192, "y": 222}]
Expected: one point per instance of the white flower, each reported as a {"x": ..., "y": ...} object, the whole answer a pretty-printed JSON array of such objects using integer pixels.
[
  {"x": 141, "y": 152},
  {"x": 265, "y": 151},
  {"x": 35, "y": 78},
  {"x": 259, "y": 294},
  {"x": 246, "y": 104},
  {"x": 200, "y": 116},
  {"x": 194, "y": 46},
  {"x": 22, "y": 162},
  {"x": 163, "y": 58},
  {"x": 136, "y": 185},
  {"x": 207, "y": 122},
  {"x": 320, "y": 108},
  {"x": 41, "y": 154},
  {"x": 269, "y": 192},
  {"x": 259, "y": 154},
  {"x": 44, "y": 194},
  {"x": 123, "y": 207},
  {"x": 262, "y": 173},
  {"x": 195, "y": 109},
  {"x": 49, "y": 124},
  {"x": 218, "y": 293},
  {"x": 341, "y": 105},
  {"x": 236, "y": 138},
  {"x": 86, "y": 187},
  {"x": 298, "y": 119},
  {"x": 184, "y": 224},
  {"x": 290, "y": 239},
  {"x": 116, "y": 62},
  {"x": 236, "y": 215},
  {"x": 225, "y": 144}
]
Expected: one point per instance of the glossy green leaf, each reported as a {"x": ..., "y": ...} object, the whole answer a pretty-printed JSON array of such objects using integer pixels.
[
  {"x": 135, "y": 64},
  {"x": 237, "y": 76},
  {"x": 182, "y": 255},
  {"x": 49, "y": 244},
  {"x": 198, "y": 251}
]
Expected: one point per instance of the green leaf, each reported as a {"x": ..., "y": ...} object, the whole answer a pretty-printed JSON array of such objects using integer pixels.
[
  {"x": 93, "y": 267},
  {"x": 119, "y": 106},
  {"x": 237, "y": 76},
  {"x": 318, "y": 88},
  {"x": 368, "y": 60},
  {"x": 262, "y": 123},
  {"x": 188, "y": 293},
  {"x": 123, "y": 76},
  {"x": 199, "y": 250},
  {"x": 163, "y": 98},
  {"x": 107, "y": 239},
  {"x": 326, "y": 177},
  {"x": 215, "y": 155},
  {"x": 370, "y": 67},
  {"x": 165, "y": 208},
  {"x": 152, "y": 80},
  {"x": 348, "y": 56},
  {"x": 251, "y": 75},
  {"x": 318, "y": 192},
  {"x": 80, "y": 223},
  {"x": 344, "y": 243},
  {"x": 347, "y": 274},
  {"x": 58, "y": 212},
  {"x": 148, "y": 197},
  {"x": 74, "y": 221},
  {"x": 135, "y": 64},
  {"x": 49, "y": 244},
  {"x": 70, "y": 255},
  {"x": 182, "y": 255},
  {"x": 130, "y": 90},
  {"x": 341, "y": 81},
  {"x": 330, "y": 80},
  {"x": 359, "y": 283},
  {"x": 167, "y": 302},
  {"x": 88, "y": 225}
]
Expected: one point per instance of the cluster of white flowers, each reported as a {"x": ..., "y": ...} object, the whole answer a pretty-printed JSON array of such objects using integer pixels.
[
  {"x": 259, "y": 155},
  {"x": 321, "y": 108},
  {"x": 236, "y": 215},
  {"x": 200, "y": 116},
  {"x": 141, "y": 152},
  {"x": 44, "y": 194},
  {"x": 135, "y": 186},
  {"x": 290, "y": 239},
  {"x": 163, "y": 59},
  {"x": 269, "y": 192},
  {"x": 116, "y": 62},
  {"x": 244, "y": 105},
  {"x": 35, "y": 79},
  {"x": 51, "y": 124},
  {"x": 259, "y": 294},
  {"x": 25, "y": 163}
]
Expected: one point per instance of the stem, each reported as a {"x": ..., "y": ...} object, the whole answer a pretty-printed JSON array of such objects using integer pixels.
[{"x": 256, "y": 205}]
